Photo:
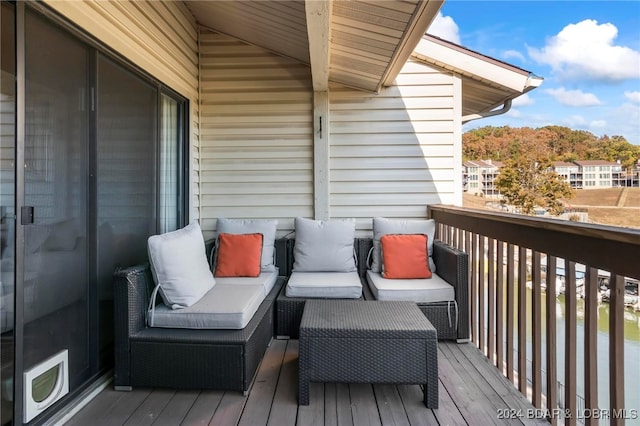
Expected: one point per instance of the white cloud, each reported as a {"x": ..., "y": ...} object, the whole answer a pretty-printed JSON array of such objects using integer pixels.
[
  {"x": 445, "y": 27},
  {"x": 514, "y": 113},
  {"x": 575, "y": 98},
  {"x": 598, "y": 124},
  {"x": 510, "y": 54},
  {"x": 587, "y": 50},
  {"x": 624, "y": 120},
  {"x": 575, "y": 121},
  {"x": 633, "y": 96},
  {"x": 523, "y": 100}
]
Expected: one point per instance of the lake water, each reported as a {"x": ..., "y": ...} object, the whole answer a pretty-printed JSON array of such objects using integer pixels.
[{"x": 631, "y": 353}]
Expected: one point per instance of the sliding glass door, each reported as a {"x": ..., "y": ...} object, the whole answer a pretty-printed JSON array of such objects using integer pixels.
[
  {"x": 55, "y": 211},
  {"x": 170, "y": 160},
  {"x": 7, "y": 207},
  {"x": 92, "y": 162},
  {"x": 126, "y": 147}
]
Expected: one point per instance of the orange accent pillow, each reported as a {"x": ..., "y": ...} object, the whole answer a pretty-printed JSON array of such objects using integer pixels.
[
  {"x": 239, "y": 255},
  {"x": 405, "y": 256}
]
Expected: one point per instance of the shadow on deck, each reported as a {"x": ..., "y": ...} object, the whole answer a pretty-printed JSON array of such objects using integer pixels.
[{"x": 472, "y": 391}]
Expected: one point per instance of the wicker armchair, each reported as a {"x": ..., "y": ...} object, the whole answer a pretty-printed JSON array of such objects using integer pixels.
[{"x": 451, "y": 264}]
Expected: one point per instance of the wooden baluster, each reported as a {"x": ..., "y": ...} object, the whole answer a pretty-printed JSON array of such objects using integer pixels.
[
  {"x": 454, "y": 239},
  {"x": 552, "y": 354},
  {"x": 500, "y": 307},
  {"x": 590, "y": 343},
  {"x": 481, "y": 297},
  {"x": 468, "y": 243},
  {"x": 511, "y": 285},
  {"x": 474, "y": 289},
  {"x": 570, "y": 342},
  {"x": 522, "y": 320},
  {"x": 616, "y": 348},
  {"x": 491, "y": 305},
  {"x": 536, "y": 305}
]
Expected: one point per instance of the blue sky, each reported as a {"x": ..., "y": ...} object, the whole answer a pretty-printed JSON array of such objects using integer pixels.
[{"x": 588, "y": 53}]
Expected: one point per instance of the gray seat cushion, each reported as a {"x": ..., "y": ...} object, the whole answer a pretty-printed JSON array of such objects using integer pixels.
[
  {"x": 225, "y": 306},
  {"x": 330, "y": 285},
  {"x": 434, "y": 289},
  {"x": 266, "y": 279}
]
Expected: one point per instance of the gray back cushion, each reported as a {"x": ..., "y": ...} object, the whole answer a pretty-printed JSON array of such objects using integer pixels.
[
  {"x": 383, "y": 226},
  {"x": 324, "y": 246},
  {"x": 179, "y": 266},
  {"x": 266, "y": 227}
]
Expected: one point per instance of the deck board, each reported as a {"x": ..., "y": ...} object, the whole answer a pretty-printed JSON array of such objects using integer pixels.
[
  {"x": 203, "y": 408},
  {"x": 312, "y": 414},
  {"x": 343, "y": 405},
  {"x": 494, "y": 378},
  {"x": 470, "y": 391},
  {"x": 151, "y": 408},
  {"x": 284, "y": 410},
  {"x": 229, "y": 410},
  {"x": 177, "y": 409},
  {"x": 258, "y": 406},
  {"x": 390, "y": 406},
  {"x": 110, "y": 408},
  {"x": 447, "y": 412},
  {"x": 363, "y": 405}
]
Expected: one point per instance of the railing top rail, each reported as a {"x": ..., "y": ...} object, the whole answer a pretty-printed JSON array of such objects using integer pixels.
[{"x": 610, "y": 248}]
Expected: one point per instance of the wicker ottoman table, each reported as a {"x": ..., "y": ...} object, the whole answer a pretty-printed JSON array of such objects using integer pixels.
[{"x": 355, "y": 341}]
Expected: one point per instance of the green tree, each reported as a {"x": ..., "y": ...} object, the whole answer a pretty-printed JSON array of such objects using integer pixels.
[{"x": 527, "y": 184}]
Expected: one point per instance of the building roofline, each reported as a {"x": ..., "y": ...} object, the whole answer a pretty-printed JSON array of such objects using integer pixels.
[{"x": 449, "y": 55}]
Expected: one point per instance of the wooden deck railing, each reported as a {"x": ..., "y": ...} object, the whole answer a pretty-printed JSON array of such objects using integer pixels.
[{"x": 506, "y": 253}]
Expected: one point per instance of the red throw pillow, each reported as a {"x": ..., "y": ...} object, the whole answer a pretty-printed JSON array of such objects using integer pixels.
[
  {"x": 405, "y": 256},
  {"x": 239, "y": 255}
]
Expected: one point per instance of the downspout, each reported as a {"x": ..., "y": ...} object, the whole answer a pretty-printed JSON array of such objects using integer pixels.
[{"x": 505, "y": 107}]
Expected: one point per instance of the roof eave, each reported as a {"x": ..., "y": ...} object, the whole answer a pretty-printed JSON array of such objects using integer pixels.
[
  {"x": 467, "y": 62},
  {"x": 426, "y": 12}
]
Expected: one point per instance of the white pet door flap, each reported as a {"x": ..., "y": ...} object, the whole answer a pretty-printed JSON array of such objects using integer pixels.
[{"x": 45, "y": 384}]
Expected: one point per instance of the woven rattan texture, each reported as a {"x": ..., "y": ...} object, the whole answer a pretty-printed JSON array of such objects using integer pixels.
[
  {"x": 367, "y": 342},
  {"x": 363, "y": 319}
]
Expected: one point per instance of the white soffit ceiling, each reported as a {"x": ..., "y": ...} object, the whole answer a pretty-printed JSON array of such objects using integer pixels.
[{"x": 369, "y": 41}]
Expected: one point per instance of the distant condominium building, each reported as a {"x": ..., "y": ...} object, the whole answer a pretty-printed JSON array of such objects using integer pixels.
[
  {"x": 633, "y": 175},
  {"x": 571, "y": 172},
  {"x": 479, "y": 175},
  {"x": 601, "y": 174}
]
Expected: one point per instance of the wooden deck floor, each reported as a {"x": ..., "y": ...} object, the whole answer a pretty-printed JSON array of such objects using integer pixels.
[{"x": 471, "y": 392}]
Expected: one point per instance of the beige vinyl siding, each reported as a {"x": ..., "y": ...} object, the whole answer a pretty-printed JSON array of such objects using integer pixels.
[
  {"x": 256, "y": 153},
  {"x": 394, "y": 153},
  {"x": 161, "y": 38},
  {"x": 7, "y": 141}
]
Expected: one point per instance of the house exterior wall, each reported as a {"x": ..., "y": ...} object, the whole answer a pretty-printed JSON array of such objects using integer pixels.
[
  {"x": 395, "y": 152},
  {"x": 391, "y": 154},
  {"x": 160, "y": 38},
  {"x": 256, "y": 134}
]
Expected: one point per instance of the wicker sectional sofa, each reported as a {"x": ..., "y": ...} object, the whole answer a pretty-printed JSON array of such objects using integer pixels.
[{"x": 228, "y": 359}]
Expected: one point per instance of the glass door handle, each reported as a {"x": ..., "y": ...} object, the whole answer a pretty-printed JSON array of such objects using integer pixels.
[{"x": 26, "y": 215}]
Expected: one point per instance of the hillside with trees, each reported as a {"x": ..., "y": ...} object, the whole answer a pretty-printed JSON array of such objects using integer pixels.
[{"x": 550, "y": 143}]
